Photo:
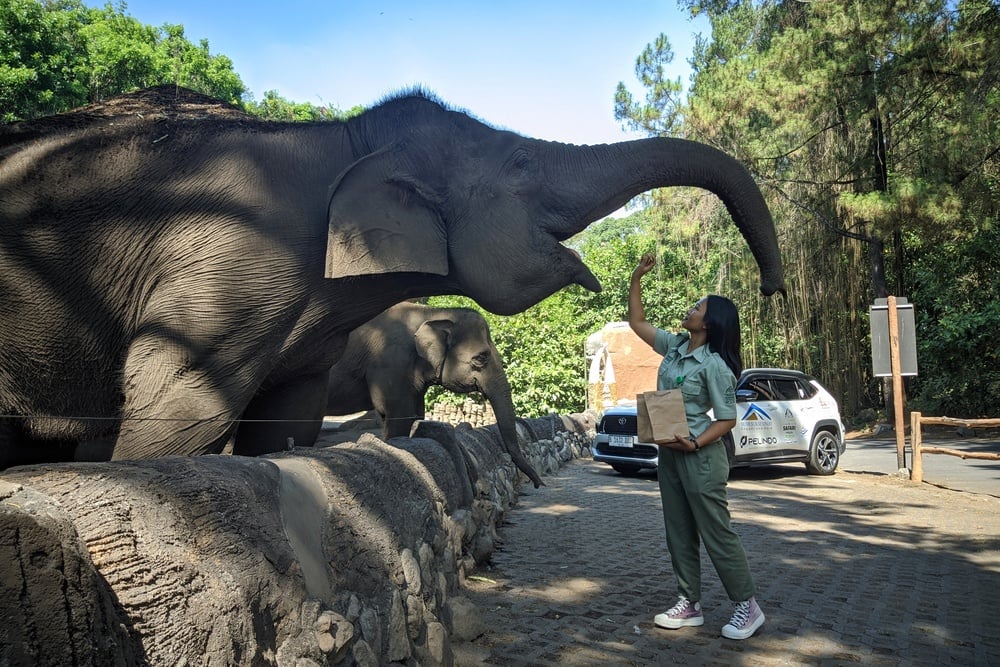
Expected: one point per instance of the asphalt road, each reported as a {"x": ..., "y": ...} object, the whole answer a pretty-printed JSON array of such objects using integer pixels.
[{"x": 877, "y": 454}]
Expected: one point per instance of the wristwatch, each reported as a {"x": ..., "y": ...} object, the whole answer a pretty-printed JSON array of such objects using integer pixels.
[{"x": 695, "y": 441}]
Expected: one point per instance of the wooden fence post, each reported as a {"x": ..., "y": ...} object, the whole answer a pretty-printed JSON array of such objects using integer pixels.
[
  {"x": 897, "y": 385},
  {"x": 917, "y": 474}
]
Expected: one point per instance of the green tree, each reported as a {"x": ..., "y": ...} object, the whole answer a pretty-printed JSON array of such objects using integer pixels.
[
  {"x": 660, "y": 113},
  {"x": 193, "y": 66},
  {"x": 276, "y": 107},
  {"x": 955, "y": 287},
  {"x": 870, "y": 126},
  {"x": 120, "y": 53},
  {"x": 40, "y": 52},
  {"x": 58, "y": 55}
]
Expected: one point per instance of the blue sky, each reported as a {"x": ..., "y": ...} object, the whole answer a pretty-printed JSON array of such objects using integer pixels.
[{"x": 544, "y": 68}]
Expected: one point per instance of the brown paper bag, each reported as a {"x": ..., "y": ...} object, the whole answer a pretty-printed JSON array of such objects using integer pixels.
[
  {"x": 667, "y": 419},
  {"x": 643, "y": 428}
]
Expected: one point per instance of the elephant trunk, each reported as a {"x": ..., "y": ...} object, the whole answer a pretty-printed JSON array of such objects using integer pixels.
[
  {"x": 498, "y": 394},
  {"x": 623, "y": 170}
]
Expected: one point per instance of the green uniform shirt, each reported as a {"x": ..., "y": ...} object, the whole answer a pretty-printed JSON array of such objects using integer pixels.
[{"x": 705, "y": 380}]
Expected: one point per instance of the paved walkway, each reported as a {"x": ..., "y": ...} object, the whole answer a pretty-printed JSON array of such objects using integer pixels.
[{"x": 851, "y": 569}]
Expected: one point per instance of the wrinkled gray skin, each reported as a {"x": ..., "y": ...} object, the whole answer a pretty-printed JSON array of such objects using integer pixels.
[
  {"x": 167, "y": 273},
  {"x": 391, "y": 360}
]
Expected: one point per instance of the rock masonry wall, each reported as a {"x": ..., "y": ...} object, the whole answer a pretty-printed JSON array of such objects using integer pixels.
[{"x": 353, "y": 554}]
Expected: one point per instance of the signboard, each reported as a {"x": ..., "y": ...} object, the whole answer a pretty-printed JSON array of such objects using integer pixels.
[{"x": 881, "y": 356}]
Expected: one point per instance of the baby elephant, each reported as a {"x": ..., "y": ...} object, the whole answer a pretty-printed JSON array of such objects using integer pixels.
[{"x": 391, "y": 360}]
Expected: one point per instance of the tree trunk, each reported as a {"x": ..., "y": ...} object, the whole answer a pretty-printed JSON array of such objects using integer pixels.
[{"x": 876, "y": 261}]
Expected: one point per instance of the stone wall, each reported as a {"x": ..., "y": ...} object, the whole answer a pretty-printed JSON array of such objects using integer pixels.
[
  {"x": 353, "y": 554},
  {"x": 477, "y": 414}
]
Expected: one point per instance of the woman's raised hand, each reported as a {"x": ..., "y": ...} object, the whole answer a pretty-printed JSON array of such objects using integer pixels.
[{"x": 646, "y": 265}]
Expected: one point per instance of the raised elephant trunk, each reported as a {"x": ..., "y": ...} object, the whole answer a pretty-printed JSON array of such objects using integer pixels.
[
  {"x": 498, "y": 394},
  {"x": 627, "y": 169}
]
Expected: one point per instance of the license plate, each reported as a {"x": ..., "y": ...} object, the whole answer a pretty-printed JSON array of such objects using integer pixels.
[{"x": 620, "y": 441}]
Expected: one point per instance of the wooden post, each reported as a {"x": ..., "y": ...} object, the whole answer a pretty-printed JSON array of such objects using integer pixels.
[
  {"x": 917, "y": 474},
  {"x": 897, "y": 383}
]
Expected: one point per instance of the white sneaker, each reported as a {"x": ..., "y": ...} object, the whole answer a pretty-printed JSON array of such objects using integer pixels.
[
  {"x": 684, "y": 613},
  {"x": 745, "y": 621}
]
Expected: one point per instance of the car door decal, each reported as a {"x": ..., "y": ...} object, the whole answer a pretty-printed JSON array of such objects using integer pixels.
[
  {"x": 755, "y": 413},
  {"x": 757, "y": 428},
  {"x": 791, "y": 432}
]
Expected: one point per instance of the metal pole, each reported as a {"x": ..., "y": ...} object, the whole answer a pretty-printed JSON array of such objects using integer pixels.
[{"x": 897, "y": 384}]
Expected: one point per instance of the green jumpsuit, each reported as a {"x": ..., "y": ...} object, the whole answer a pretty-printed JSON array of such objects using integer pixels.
[{"x": 693, "y": 484}]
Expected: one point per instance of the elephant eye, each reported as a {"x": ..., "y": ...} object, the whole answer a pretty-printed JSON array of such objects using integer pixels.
[{"x": 480, "y": 361}]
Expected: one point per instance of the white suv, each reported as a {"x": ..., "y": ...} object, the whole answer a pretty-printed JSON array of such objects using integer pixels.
[{"x": 781, "y": 416}]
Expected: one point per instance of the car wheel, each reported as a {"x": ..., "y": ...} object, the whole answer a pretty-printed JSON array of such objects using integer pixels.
[
  {"x": 824, "y": 454},
  {"x": 625, "y": 468}
]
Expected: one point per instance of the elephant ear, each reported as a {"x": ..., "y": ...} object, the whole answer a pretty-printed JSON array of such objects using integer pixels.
[
  {"x": 382, "y": 221},
  {"x": 432, "y": 343}
]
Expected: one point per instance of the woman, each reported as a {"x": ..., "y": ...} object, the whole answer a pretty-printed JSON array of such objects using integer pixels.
[{"x": 704, "y": 362}]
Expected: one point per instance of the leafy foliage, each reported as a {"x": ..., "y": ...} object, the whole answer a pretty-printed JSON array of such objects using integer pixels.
[
  {"x": 874, "y": 131},
  {"x": 660, "y": 113},
  {"x": 959, "y": 362},
  {"x": 55, "y": 56},
  {"x": 40, "y": 56},
  {"x": 275, "y": 107}
]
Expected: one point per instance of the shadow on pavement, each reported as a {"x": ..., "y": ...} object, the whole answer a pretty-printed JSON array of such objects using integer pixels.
[{"x": 850, "y": 569}]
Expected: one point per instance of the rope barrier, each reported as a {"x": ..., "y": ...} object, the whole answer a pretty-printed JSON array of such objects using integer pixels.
[
  {"x": 188, "y": 419},
  {"x": 225, "y": 420},
  {"x": 153, "y": 419}
]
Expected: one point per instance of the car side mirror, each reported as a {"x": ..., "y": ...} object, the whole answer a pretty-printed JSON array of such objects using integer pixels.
[{"x": 746, "y": 395}]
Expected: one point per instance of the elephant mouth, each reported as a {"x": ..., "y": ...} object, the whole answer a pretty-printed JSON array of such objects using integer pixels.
[
  {"x": 582, "y": 275},
  {"x": 535, "y": 271}
]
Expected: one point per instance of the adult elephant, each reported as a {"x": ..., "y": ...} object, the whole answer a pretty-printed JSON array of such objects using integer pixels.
[
  {"x": 391, "y": 360},
  {"x": 176, "y": 275}
]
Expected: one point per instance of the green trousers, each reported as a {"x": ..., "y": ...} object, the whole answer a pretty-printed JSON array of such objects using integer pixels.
[{"x": 695, "y": 511}]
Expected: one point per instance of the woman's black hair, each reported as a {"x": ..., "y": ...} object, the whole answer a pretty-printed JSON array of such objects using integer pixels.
[{"x": 722, "y": 322}]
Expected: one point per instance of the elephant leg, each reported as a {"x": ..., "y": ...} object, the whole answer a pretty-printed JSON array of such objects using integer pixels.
[
  {"x": 398, "y": 412},
  {"x": 173, "y": 407},
  {"x": 397, "y": 427},
  {"x": 287, "y": 414}
]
